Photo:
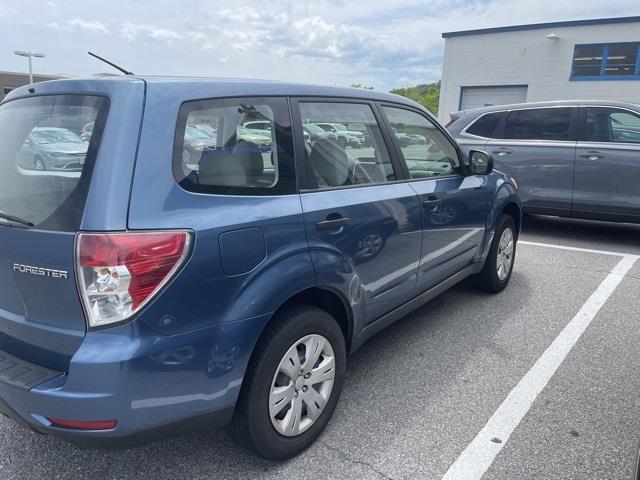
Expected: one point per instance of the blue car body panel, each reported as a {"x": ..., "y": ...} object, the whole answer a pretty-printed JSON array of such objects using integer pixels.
[
  {"x": 454, "y": 230},
  {"x": 373, "y": 282},
  {"x": 41, "y": 319},
  {"x": 185, "y": 354}
]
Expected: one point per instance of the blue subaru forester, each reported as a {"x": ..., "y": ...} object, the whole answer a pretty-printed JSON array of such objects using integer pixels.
[{"x": 208, "y": 255}]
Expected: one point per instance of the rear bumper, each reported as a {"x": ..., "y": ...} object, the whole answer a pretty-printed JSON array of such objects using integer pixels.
[
  {"x": 206, "y": 421},
  {"x": 9, "y": 412},
  {"x": 156, "y": 387},
  {"x": 201, "y": 422}
]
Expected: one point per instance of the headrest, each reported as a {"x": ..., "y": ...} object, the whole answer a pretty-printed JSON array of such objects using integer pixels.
[
  {"x": 221, "y": 168},
  {"x": 331, "y": 162},
  {"x": 251, "y": 158}
]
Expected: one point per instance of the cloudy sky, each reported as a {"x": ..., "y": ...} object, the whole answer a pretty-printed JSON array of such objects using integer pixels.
[{"x": 380, "y": 43}]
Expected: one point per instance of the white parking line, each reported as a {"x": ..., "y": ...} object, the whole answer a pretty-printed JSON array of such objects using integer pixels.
[
  {"x": 482, "y": 451},
  {"x": 576, "y": 249}
]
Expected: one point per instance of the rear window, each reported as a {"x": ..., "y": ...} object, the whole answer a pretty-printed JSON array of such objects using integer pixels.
[
  {"x": 46, "y": 158},
  {"x": 486, "y": 125}
]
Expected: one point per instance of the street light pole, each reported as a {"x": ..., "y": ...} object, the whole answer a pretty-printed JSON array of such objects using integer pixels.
[{"x": 29, "y": 55}]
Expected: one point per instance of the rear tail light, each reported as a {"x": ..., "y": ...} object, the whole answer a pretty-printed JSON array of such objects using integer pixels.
[{"x": 119, "y": 273}]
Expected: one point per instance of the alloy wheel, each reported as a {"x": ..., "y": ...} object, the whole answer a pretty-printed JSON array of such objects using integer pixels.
[{"x": 505, "y": 254}]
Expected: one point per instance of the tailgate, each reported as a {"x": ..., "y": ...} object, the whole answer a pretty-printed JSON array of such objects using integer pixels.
[
  {"x": 41, "y": 317},
  {"x": 50, "y": 169}
]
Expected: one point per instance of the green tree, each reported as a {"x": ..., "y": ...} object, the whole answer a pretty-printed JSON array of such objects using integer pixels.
[{"x": 427, "y": 95}]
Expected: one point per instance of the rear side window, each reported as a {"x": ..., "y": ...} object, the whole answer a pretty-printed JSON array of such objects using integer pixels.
[
  {"x": 426, "y": 150},
  {"x": 538, "y": 124},
  {"x": 234, "y": 146},
  {"x": 45, "y": 159},
  {"x": 344, "y": 145},
  {"x": 612, "y": 125},
  {"x": 486, "y": 125}
]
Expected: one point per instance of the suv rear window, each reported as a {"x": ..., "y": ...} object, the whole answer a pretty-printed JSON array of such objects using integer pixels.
[
  {"x": 47, "y": 153},
  {"x": 486, "y": 125}
]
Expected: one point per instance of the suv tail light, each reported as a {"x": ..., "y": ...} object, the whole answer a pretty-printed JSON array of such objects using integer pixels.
[{"x": 119, "y": 273}]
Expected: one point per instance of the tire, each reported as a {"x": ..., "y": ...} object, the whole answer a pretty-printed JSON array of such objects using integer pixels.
[
  {"x": 38, "y": 164},
  {"x": 252, "y": 425},
  {"x": 489, "y": 279}
]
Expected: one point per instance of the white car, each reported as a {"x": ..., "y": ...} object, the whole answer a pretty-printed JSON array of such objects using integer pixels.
[
  {"x": 257, "y": 132},
  {"x": 345, "y": 137}
]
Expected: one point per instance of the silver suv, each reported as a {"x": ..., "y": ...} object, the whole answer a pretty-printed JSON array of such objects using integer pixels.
[{"x": 576, "y": 159}]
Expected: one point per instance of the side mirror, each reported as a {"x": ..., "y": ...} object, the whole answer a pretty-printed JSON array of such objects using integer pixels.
[{"x": 481, "y": 162}]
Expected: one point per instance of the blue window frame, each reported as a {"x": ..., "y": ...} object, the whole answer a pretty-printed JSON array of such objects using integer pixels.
[{"x": 606, "y": 61}]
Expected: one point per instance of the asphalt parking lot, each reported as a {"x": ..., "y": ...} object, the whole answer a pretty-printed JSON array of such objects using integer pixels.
[{"x": 539, "y": 382}]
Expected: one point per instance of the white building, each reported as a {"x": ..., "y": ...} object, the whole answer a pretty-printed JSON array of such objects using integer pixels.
[{"x": 585, "y": 59}]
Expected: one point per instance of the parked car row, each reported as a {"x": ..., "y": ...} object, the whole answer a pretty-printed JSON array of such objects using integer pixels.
[
  {"x": 150, "y": 295},
  {"x": 314, "y": 133},
  {"x": 406, "y": 139},
  {"x": 346, "y": 137},
  {"x": 576, "y": 159},
  {"x": 196, "y": 141}
]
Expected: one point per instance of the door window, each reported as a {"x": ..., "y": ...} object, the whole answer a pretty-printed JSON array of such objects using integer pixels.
[
  {"x": 344, "y": 145},
  {"x": 612, "y": 125},
  {"x": 426, "y": 150},
  {"x": 539, "y": 124}
]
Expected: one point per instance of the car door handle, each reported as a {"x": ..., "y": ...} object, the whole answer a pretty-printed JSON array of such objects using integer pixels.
[
  {"x": 332, "y": 224},
  {"x": 593, "y": 155},
  {"x": 431, "y": 201},
  {"x": 501, "y": 152}
]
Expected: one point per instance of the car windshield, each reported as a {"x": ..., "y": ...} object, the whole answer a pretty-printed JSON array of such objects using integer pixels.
[
  {"x": 313, "y": 128},
  {"x": 54, "y": 135},
  {"x": 258, "y": 126},
  {"x": 194, "y": 133}
]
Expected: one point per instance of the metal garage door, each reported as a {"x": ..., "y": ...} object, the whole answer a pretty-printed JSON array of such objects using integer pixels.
[{"x": 474, "y": 97}]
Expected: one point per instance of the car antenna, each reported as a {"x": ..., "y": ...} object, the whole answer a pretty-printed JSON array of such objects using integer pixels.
[{"x": 126, "y": 72}]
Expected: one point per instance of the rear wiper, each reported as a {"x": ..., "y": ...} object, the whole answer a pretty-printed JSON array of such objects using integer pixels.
[{"x": 14, "y": 219}]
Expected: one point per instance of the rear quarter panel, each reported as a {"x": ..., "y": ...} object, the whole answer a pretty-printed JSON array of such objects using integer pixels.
[
  {"x": 505, "y": 194},
  {"x": 219, "y": 303},
  {"x": 466, "y": 141},
  {"x": 203, "y": 293}
]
